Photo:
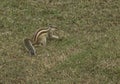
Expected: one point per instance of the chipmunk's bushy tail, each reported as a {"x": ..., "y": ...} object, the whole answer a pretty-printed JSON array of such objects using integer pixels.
[{"x": 29, "y": 46}]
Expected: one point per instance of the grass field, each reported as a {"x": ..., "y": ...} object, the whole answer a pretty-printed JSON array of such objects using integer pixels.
[{"x": 90, "y": 54}]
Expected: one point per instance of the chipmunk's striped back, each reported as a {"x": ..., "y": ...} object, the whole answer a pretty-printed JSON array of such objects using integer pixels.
[{"x": 38, "y": 34}]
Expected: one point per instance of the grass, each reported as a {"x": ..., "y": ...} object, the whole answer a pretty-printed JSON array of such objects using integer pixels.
[{"x": 89, "y": 55}]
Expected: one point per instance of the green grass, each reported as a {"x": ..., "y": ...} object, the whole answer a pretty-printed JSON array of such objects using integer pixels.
[{"x": 90, "y": 54}]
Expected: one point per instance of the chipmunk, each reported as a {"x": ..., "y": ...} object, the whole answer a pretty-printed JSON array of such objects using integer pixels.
[{"x": 40, "y": 37}]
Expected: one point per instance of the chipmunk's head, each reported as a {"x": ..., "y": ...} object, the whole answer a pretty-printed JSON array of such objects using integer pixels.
[{"x": 52, "y": 28}]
